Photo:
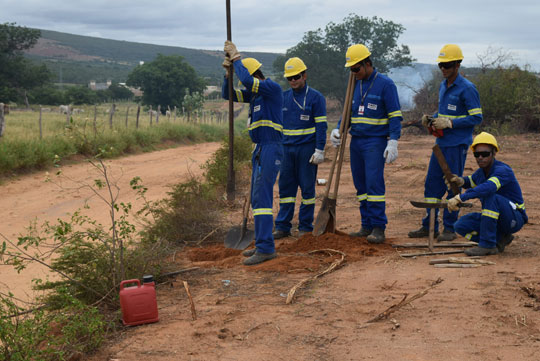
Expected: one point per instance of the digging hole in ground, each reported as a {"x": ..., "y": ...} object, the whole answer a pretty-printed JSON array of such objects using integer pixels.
[{"x": 293, "y": 254}]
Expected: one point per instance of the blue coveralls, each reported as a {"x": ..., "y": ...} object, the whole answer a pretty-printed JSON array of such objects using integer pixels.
[
  {"x": 265, "y": 100},
  {"x": 371, "y": 129},
  {"x": 304, "y": 129},
  {"x": 503, "y": 208},
  {"x": 461, "y": 103}
]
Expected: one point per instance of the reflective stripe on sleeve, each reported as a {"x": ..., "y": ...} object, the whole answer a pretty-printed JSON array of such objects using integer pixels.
[
  {"x": 320, "y": 119},
  {"x": 255, "y": 87},
  {"x": 490, "y": 214},
  {"x": 397, "y": 113},
  {"x": 266, "y": 123},
  {"x": 475, "y": 111},
  {"x": 496, "y": 181}
]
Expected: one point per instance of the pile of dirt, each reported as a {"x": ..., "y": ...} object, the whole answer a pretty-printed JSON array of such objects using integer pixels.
[{"x": 294, "y": 255}]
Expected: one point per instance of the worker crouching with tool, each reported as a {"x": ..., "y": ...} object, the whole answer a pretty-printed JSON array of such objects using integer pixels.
[
  {"x": 453, "y": 125},
  {"x": 265, "y": 100},
  {"x": 375, "y": 130},
  {"x": 503, "y": 208},
  {"x": 304, "y": 138}
]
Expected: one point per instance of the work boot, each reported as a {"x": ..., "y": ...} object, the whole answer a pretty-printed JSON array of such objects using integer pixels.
[
  {"x": 278, "y": 234},
  {"x": 421, "y": 233},
  {"x": 258, "y": 257},
  {"x": 363, "y": 232},
  {"x": 376, "y": 236},
  {"x": 301, "y": 233},
  {"x": 504, "y": 241},
  {"x": 446, "y": 236},
  {"x": 249, "y": 252},
  {"x": 481, "y": 251}
]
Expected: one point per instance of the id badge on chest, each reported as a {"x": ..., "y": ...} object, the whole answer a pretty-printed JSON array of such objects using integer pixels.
[
  {"x": 304, "y": 116},
  {"x": 361, "y": 110}
]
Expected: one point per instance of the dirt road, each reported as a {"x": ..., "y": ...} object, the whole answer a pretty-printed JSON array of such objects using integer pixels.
[
  {"x": 30, "y": 197},
  {"x": 474, "y": 314}
]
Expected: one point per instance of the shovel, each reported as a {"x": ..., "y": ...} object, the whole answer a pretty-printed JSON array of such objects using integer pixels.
[
  {"x": 326, "y": 218},
  {"x": 239, "y": 237}
]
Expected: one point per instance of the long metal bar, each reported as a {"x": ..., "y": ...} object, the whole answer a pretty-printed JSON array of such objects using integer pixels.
[{"x": 231, "y": 192}]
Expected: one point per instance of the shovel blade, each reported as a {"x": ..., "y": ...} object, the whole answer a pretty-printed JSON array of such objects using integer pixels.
[
  {"x": 326, "y": 218},
  {"x": 239, "y": 237}
]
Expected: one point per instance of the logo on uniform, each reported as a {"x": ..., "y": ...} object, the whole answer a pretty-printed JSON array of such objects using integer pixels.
[
  {"x": 452, "y": 107},
  {"x": 256, "y": 108},
  {"x": 372, "y": 106}
]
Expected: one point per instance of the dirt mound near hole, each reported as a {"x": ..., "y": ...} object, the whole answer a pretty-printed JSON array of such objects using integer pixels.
[{"x": 293, "y": 254}]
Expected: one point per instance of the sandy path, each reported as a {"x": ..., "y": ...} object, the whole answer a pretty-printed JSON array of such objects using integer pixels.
[{"x": 29, "y": 197}]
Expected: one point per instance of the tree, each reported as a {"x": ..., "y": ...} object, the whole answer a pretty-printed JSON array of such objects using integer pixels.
[
  {"x": 193, "y": 102},
  {"x": 165, "y": 81},
  {"x": 17, "y": 74},
  {"x": 324, "y": 51}
]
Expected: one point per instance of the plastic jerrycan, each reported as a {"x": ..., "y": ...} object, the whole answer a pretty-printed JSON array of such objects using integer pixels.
[{"x": 138, "y": 303}]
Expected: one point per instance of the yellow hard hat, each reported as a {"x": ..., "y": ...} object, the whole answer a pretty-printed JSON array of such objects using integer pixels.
[
  {"x": 485, "y": 138},
  {"x": 356, "y": 53},
  {"x": 294, "y": 66},
  {"x": 251, "y": 65},
  {"x": 449, "y": 52}
]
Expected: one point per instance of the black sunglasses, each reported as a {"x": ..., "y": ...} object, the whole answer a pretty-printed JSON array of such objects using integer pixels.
[
  {"x": 294, "y": 77},
  {"x": 447, "y": 65},
  {"x": 356, "y": 70},
  {"x": 482, "y": 154}
]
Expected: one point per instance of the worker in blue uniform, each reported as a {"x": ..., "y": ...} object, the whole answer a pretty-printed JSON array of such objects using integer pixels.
[
  {"x": 265, "y": 99},
  {"x": 375, "y": 130},
  {"x": 304, "y": 138},
  {"x": 503, "y": 208},
  {"x": 459, "y": 112}
]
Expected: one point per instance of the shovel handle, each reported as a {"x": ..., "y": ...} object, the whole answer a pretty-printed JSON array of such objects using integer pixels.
[
  {"x": 342, "y": 131},
  {"x": 346, "y": 119}
]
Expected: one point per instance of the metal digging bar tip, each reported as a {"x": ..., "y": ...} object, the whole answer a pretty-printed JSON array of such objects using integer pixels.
[{"x": 326, "y": 217}]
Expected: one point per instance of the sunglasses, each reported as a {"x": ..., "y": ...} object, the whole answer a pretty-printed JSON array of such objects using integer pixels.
[
  {"x": 356, "y": 70},
  {"x": 294, "y": 77},
  {"x": 447, "y": 65},
  {"x": 481, "y": 154}
]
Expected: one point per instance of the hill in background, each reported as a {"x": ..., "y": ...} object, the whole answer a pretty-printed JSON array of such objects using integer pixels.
[{"x": 76, "y": 59}]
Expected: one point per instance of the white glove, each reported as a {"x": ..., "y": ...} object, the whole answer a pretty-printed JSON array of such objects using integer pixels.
[
  {"x": 231, "y": 51},
  {"x": 453, "y": 203},
  {"x": 391, "y": 152},
  {"x": 335, "y": 138},
  {"x": 317, "y": 157},
  {"x": 456, "y": 180},
  {"x": 442, "y": 123}
]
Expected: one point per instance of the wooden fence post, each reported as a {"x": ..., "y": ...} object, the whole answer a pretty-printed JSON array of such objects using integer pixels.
[
  {"x": 158, "y": 113},
  {"x": 40, "y": 127},
  {"x": 2, "y": 120},
  {"x": 127, "y": 113},
  {"x": 150, "y": 115},
  {"x": 111, "y": 114},
  {"x": 68, "y": 113},
  {"x": 95, "y": 117},
  {"x": 137, "y": 120},
  {"x": 174, "y": 119}
]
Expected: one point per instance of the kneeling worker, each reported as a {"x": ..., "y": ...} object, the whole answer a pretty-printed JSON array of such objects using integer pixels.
[{"x": 503, "y": 208}]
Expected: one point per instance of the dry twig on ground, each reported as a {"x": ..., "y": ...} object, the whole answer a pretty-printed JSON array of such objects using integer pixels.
[{"x": 333, "y": 266}]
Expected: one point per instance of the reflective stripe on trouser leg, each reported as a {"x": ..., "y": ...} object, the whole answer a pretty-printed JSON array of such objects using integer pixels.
[
  {"x": 367, "y": 167},
  {"x": 435, "y": 188},
  {"x": 498, "y": 218},
  {"x": 296, "y": 171},
  {"x": 469, "y": 226},
  {"x": 266, "y": 161}
]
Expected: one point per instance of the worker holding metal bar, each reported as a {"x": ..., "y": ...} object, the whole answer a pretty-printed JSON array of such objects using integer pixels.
[
  {"x": 453, "y": 124},
  {"x": 375, "y": 130},
  {"x": 265, "y": 122},
  {"x": 503, "y": 209},
  {"x": 304, "y": 138}
]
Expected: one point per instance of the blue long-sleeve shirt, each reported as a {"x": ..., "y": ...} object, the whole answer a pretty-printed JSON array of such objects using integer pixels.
[
  {"x": 500, "y": 180},
  {"x": 461, "y": 103},
  {"x": 381, "y": 115},
  {"x": 304, "y": 117},
  {"x": 265, "y": 99}
]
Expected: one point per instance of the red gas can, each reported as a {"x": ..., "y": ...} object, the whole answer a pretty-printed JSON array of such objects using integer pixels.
[{"x": 138, "y": 302}]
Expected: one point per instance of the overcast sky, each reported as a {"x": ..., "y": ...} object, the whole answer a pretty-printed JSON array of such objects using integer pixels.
[{"x": 276, "y": 25}]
